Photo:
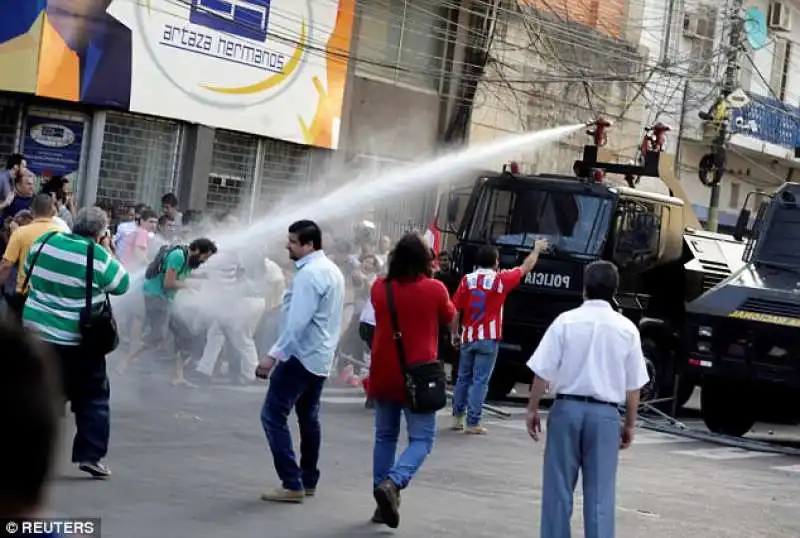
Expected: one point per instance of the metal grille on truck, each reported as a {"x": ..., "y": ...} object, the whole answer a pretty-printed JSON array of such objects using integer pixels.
[
  {"x": 714, "y": 273},
  {"x": 768, "y": 306}
]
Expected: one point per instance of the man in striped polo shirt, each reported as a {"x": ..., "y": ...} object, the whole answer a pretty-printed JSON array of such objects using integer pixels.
[
  {"x": 479, "y": 300},
  {"x": 52, "y": 311}
]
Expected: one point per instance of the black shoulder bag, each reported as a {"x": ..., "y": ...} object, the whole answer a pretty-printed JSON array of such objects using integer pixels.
[
  {"x": 425, "y": 384},
  {"x": 16, "y": 302},
  {"x": 97, "y": 324}
]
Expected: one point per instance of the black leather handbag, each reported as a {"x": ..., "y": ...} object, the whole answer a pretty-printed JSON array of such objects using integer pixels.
[
  {"x": 425, "y": 384},
  {"x": 97, "y": 324}
]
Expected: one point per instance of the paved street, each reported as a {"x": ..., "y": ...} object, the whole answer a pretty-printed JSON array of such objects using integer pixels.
[{"x": 192, "y": 463}]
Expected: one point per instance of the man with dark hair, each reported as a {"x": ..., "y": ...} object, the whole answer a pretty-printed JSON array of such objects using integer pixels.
[
  {"x": 301, "y": 361},
  {"x": 22, "y": 197},
  {"x": 29, "y": 407},
  {"x": 592, "y": 359},
  {"x": 164, "y": 235},
  {"x": 58, "y": 187},
  {"x": 169, "y": 204},
  {"x": 479, "y": 301},
  {"x": 44, "y": 210},
  {"x": 165, "y": 276},
  {"x": 16, "y": 165}
]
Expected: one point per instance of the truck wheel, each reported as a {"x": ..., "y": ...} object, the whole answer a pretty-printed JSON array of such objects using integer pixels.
[
  {"x": 724, "y": 409},
  {"x": 685, "y": 391},
  {"x": 502, "y": 382},
  {"x": 661, "y": 370}
]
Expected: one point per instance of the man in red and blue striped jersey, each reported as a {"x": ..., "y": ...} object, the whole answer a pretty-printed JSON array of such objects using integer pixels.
[{"x": 479, "y": 300}]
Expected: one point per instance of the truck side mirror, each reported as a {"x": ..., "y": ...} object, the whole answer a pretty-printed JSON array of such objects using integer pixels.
[
  {"x": 452, "y": 210},
  {"x": 741, "y": 224}
]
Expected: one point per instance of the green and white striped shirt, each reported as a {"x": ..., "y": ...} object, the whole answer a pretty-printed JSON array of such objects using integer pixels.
[{"x": 58, "y": 286}]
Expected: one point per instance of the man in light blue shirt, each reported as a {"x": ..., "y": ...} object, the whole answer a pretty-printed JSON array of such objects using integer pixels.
[{"x": 300, "y": 362}]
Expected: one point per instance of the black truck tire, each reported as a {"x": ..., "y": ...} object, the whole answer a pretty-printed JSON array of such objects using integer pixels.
[
  {"x": 502, "y": 383},
  {"x": 725, "y": 408},
  {"x": 661, "y": 369}
]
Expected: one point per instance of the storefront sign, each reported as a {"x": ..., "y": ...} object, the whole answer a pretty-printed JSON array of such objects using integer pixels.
[
  {"x": 53, "y": 147},
  {"x": 274, "y": 68}
]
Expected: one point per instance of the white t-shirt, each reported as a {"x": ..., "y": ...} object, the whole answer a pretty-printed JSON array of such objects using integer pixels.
[
  {"x": 63, "y": 226},
  {"x": 123, "y": 231},
  {"x": 368, "y": 314}
]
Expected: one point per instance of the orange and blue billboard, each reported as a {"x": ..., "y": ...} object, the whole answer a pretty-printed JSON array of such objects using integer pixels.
[{"x": 275, "y": 68}]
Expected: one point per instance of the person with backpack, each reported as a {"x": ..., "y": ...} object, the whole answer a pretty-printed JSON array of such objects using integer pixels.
[{"x": 164, "y": 277}]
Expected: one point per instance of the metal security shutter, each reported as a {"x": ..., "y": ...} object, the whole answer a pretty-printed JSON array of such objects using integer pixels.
[
  {"x": 398, "y": 215},
  {"x": 9, "y": 128},
  {"x": 233, "y": 167},
  {"x": 285, "y": 168},
  {"x": 139, "y": 162}
]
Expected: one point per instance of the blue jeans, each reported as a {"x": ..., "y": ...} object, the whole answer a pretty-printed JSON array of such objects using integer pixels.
[
  {"x": 475, "y": 366},
  {"x": 580, "y": 436},
  {"x": 421, "y": 434},
  {"x": 291, "y": 386},
  {"x": 86, "y": 387}
]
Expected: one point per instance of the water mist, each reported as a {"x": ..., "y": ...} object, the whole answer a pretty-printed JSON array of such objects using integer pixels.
[{"x": 359, "y": 194}]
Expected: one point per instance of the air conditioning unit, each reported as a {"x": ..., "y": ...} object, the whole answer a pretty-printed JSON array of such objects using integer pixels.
[
  {"x": 696, "y": 26},
  {"x": 779, "y": 16}
]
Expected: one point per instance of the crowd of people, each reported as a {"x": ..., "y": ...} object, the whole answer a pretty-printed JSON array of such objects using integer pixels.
[{"x": 409, "y": 311}]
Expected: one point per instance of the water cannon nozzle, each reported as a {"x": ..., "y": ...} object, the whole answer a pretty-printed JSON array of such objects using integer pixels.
[{"x": 599, "y": 131}]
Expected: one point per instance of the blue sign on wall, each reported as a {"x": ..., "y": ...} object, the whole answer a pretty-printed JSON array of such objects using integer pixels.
[{"x": 53, "y": 147}]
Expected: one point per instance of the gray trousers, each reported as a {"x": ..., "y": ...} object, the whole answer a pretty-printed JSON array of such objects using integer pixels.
[{"x": 586, "y": 437}]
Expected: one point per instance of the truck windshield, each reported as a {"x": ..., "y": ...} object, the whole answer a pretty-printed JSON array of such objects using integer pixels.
[{"x": 516, "y": 216}]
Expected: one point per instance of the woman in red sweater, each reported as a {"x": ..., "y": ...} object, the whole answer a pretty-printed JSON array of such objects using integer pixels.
[{"x": 422, "y": 305}]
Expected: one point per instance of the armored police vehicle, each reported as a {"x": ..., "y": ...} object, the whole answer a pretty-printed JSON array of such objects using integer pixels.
[
  {"x": 585, "y": 218},
  {"x": 743, "y": 335}
]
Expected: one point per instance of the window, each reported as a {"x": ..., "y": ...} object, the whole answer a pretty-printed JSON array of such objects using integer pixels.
[
  {"x": 758, "y": 198},
  {"x": 781, "y": 59},
  {"x": 734, "y": 201},
  {"x": 638, "y": 231},
  {"x": 402, "y": 41},
  {"x": 701, "y": 28},
  {"x": 571, "y": 222}
]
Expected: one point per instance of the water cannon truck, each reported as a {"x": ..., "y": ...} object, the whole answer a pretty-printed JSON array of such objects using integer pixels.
[
  {"x": 664, "y": 257},
  {"x": 743, "y": 335}
]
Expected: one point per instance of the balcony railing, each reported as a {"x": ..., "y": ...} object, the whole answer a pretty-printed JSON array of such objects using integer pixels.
[{"x": 768, "y": 120}]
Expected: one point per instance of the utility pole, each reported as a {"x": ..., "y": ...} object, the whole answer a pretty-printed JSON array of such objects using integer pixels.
[{"x": 729, "y": 85}]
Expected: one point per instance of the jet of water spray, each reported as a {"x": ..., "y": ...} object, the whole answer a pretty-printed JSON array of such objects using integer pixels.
[{"x": 362, "y": 193}]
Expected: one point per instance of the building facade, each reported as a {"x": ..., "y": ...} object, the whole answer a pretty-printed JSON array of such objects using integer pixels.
[
  {"x": 695, "y": 40},
  {"x": 230, "y": 104},
  {"x": 557, "y": 63}
]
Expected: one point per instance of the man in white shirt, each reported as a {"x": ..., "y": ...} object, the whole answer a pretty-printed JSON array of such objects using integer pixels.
[
  {"x": 237, "y": 284},
  {"x": 591, "y": 357}
]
